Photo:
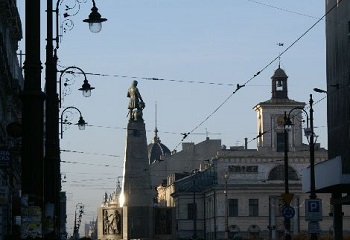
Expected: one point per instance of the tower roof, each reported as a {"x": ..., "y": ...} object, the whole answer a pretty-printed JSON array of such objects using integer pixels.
[
  {"x": 279, "y": 73},
  {"x": 156, "y": 149}
]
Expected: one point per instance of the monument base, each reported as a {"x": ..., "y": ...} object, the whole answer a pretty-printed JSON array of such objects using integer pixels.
[{"x": 138, "y": 222}]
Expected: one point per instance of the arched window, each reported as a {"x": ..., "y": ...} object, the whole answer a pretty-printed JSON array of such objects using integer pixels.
[{"x": 277, "y": 173}]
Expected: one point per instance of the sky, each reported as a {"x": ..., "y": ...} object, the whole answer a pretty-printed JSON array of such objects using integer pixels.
[{"x": 199, "y": 50}]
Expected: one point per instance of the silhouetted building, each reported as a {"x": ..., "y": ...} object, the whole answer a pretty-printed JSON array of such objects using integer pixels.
[{"x": 11, "y": 82}]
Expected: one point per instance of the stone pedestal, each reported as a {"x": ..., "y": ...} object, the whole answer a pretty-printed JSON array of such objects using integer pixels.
[
  {"x": 137, "y": 190},
  {"x": 138, "y": 223}
]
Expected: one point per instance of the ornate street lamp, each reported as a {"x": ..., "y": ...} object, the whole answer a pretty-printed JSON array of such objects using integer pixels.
[
  {"x": 95, "y": 20},
  {"x": 51, "y": 172},
  {"x": 81, "y": 122},
  {"x": 77, "y": 219},
  {"x": 85, "y": 88}
]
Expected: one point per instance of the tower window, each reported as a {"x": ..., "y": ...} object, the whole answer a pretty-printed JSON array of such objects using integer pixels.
[{"x": 279, "y": 85}]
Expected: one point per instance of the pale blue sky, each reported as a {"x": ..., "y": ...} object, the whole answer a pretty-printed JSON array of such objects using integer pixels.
[{"x": 222, "y": 41}]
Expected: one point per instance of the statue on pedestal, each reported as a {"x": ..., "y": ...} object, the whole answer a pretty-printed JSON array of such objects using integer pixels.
[{"x": 136, "y": 104}]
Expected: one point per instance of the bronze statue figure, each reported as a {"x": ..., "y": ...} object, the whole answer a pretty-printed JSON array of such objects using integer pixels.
[{"x": 136, "y": 104}]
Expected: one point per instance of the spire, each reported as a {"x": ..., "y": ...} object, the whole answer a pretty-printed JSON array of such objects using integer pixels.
[
  {"x": 279, "y": 61},
  {"x": 156, "y": 138},
  {"x": 156, "y": 149}
]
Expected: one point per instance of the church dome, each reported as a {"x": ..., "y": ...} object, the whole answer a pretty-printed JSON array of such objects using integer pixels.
[
  {"x": 156, "y": 149},
  {"x": 279, "y": 73}
]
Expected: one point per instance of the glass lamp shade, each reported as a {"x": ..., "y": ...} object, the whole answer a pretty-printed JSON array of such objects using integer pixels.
[
  {"x": 86, "y": 88},
  {"x": 95, "y": 27},
  {"x": 95, "y": 20},
  {"x": 81, "y": 123},
  {"x": 86, "y": 93},
  {"x": 226, "y": 176},
  {"x": 307, "y": 132},
  {"x": 288, "y": 124},
  {"x": 288, "y": 127}
]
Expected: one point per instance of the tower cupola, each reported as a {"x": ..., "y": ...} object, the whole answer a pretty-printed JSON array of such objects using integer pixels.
[{"x": 279, "y": 84}]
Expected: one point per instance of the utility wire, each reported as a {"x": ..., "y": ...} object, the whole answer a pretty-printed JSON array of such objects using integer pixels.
[
  {"x": 91, "y": 164},
  {"x": 149, "y": 78},
  {"x": 101, "y": 154},
  {"x": 165, "y": 132},
  {"x": 282, "y": 9}
]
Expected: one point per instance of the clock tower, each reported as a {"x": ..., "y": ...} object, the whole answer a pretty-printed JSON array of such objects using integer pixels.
[{"x": 270, "y": 117}]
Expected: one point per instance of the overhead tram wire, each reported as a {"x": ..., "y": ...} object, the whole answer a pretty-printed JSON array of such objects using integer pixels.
[
  {"x": 100, "y": 154},
  {"x": 164, "y": 132},
  {"x": 160, "y": 79},
  {"x": 90, "y": 164},
  {"x": 154, "y": 78}
]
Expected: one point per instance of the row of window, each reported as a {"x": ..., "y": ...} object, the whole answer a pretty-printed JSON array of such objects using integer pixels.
[{"x": 232, "y": 208}]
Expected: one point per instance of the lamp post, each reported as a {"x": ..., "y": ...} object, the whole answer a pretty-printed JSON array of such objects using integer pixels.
[
  {"x": 312, "y": 152},
  {"x": 51, "y": 162},
  {"x": 309, "y": 133},
  {"x": 77, "y": 220},
  {"x": 32, "y": 114},
  {"x": 288, "y": 211},
  {"x": 287, "y": 235},
  {"x": 81, "y": 123},
  {"x": 314, "y": 236},
  {"x": 226, "y": 176}
]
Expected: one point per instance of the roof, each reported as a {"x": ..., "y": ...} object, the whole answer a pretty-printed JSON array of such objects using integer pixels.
[
  {"x": 279, "y": 73},
  {"x": 274, "y": 101}
]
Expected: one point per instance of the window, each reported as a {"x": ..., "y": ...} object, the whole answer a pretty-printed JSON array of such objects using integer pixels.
[
  {"x": 210, "y": 208},
  {"x": 253, "y": 207},
  {"x": 191, "y": 210},
  {"x": 233, "y": 207},
  {"x": 280, "y": 142}
]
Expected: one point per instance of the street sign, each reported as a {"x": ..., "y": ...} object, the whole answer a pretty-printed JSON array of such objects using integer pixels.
[
  {"x": 288, "y": 211},
  {"x": 313, "y": 210},
  {"x": 287, "y": 197}
]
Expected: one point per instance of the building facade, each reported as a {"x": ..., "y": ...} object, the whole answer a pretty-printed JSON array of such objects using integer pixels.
[
  {"x": 11, "y": 82},
  {"x": 240, "y": 191}
]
